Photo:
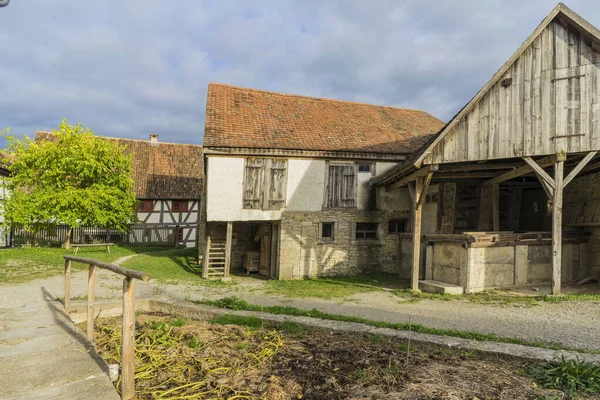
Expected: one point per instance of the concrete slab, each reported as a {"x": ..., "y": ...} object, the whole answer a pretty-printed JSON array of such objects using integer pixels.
[{"x": 430, "y": 286}]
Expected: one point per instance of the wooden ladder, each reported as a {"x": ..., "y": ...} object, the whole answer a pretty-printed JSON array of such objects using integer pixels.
[{"x": 216, "y": 259}]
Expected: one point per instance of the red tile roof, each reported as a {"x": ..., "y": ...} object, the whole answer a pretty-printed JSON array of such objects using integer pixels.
[
  {"x": 162, "y": 170},
  {"x": 240, "y": 117}
]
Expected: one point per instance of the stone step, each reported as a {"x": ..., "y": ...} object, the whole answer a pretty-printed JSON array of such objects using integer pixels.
[{"x": 430, "y": 286}]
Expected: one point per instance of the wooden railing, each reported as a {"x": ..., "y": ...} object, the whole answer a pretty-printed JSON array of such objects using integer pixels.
[{"x": 128, "y": 347}]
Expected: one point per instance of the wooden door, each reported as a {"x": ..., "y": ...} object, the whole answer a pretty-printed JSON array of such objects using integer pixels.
[{"x": 265, "y": 254}]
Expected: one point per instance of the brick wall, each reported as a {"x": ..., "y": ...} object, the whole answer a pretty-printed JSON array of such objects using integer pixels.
[{"x": 303, "y": 254}]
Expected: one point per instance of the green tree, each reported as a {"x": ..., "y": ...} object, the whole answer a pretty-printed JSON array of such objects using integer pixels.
[{"x": 75, "y": 178}]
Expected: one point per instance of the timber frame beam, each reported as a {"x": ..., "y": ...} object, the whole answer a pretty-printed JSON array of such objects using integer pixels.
[
  {"x": 414, "y": 176},
  {"x": 554, "y": 188},
  {"x": 523, "y": 170},
  {"x": 418, "y": 192}
]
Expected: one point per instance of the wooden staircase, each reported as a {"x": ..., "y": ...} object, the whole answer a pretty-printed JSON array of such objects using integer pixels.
[{"x": 216, "y": 258}]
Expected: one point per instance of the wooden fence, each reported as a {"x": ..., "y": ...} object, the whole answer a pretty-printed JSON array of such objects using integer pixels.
[
  {"x": 139, "y": 234},
  {"x": 128, "y": 329}
]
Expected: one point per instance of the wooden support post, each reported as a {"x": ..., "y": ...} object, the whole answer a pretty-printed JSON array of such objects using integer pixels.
[
  {"x": 67, "y": 301},
  {"x": 205, "y": 258},
  {"x": 90, "y": 308},
  {"x": 557, "y": 227},
  {"x": 228, "y": 240},
  {"x": 418, "y": 195},
  {"x": 128, "y": 349},
  {"x": 496, "y": 207}
]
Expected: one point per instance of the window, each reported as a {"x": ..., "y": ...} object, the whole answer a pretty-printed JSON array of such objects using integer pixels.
[
  {"x": 265, "y": 183},
  {"x": 396, "y": 225},
  {"x": 366, "y": 230},
  {"x": 180, "y": 234},
  {"x": 327, "y": 230},
  {"x": 340, "y": 190},
  {"x": 365, "y": 167},
  {"x": 432, "y": 198},
  {"x": 146, "y": 206},
  {"x": 179, "y": 205}
]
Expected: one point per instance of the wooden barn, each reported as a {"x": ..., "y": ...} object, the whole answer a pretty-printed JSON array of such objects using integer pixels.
[{"x": 517, "y": 169}]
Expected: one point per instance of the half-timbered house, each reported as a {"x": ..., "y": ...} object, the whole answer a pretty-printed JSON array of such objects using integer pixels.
[
  {"x": 518, "y": 171},
  {"x": 168, "y": 180},
  {"x": 288, "y": 183}
]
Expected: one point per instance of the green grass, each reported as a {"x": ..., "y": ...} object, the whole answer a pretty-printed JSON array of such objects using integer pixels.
[
  {"x": 335, "y": 287},
  {"x": 24, "y": 264},
  {"x": 574, "y": 377},
  {"x": 234, "y": 303},
  {"x": 228, "y": 319},
  {"x": 173, "y": 266}
]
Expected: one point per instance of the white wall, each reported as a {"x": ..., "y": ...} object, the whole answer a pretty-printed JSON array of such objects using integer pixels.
[
  {"x": 305, "y": 188},
  {"x": 399, "y": 200}
]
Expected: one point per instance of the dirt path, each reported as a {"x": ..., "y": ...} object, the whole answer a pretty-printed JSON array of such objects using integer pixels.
[{"x": 573, "y": 324}]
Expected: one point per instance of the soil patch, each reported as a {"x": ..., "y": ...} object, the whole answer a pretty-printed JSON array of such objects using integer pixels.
[{"x": 196, "y": 360}]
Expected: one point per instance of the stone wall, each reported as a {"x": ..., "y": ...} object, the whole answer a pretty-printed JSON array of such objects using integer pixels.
[
  {"x": 303, "y": 254},
  {"x": 448, "y": 200}
]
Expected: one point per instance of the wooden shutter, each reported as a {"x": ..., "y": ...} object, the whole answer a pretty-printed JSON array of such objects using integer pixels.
[
  {"x": 254, "y": 180},
  {"x": 340, "y": 191},
  {"x": 277, "y": 182}
]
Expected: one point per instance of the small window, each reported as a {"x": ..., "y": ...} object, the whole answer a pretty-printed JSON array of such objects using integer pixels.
[
  {"x": 327, "y": 230},
  {"x": 366, "y": 230},
  {"x": 146, "y": 206},
  {"x": 397, "y": 226},
  {"x": 179, "y": 205},
  {"x": 432, "y": 198},
  {"x": 365, "y": 167},
  {"x": 180, "y": 234}
]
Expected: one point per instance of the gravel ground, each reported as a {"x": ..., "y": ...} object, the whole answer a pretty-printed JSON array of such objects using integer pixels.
[{"x": 573, "y": 323}]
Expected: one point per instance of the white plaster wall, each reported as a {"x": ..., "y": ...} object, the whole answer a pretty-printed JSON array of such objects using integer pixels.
[
  {"x": 305, "y": 185},
  {"x": 399, "y": 200}
]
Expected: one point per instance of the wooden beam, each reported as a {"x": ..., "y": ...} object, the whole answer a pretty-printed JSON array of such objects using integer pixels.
[
  {"x": 579, "y": 167},
  {"x": 90, "y": 308},
  {"x": 412, "y": 177},
  {"x": 206, "y": 256},
  {"x": 539, "y": 171},
  {"x": 523, "y": 170},
  {"x": 549, "y": 191},
  {"x": 228, "y": 240},
  {"x": 557, "y": 204},
  {"x": 416, "y": 217},
  {"x": 111, "y": 267},
  {"x": 67, "y": 301},
  {"x": 477, "y": 167},
  {"x": 496, "y": 207},
  {"x": 466, "y": 175},
  {"x": 425, "y": 188}
]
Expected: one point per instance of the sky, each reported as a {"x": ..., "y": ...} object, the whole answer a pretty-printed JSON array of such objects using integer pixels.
[{"x": 135, "y": 67}]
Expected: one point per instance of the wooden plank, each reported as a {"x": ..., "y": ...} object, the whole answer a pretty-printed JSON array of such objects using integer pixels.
[
  {"x": 536, "y": 113},
  {"x": 228, "y": 241},
  {"x": 128, "y": 345},
  {"x": 418, "y": 173},
  {"x": 516, "y": 108},
  {"x": 492, "y": 151},
  {"x": 557, "y": 205},
  {"x": 67, "y": 299},
  {"x": 548, "y": 117},
  {"x": 472, "y": 134},
  {"x": 561, "y": 87},
  {"x": 111, "y": 267},
  {"x": 90, "y": 303},
  {"x": 579, "y": 167},
  {"x": 527, "y": 95},
  {"x": 524, "y": 170},
  {"x": 540, "y": 171}
]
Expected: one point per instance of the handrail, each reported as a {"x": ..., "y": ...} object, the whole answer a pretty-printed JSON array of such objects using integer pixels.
[{"x": 128, "y": 349}]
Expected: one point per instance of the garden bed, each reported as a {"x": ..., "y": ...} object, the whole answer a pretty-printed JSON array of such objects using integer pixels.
[{"x": 233, "y": 357}]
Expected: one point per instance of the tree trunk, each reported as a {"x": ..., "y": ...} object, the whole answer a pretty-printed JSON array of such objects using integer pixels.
[{"x": 67, "y": 243}]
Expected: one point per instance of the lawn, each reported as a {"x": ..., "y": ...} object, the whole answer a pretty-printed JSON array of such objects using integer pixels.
[
  {"x": 172, "y": 266},
  {"x": 328, "y": 288},
  {"x": 24, "y": 264}
]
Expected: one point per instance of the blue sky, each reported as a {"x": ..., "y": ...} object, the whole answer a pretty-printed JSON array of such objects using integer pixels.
[{"x": 135, "y": 67}]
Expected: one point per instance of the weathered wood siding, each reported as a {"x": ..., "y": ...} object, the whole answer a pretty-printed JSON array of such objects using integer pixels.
[{"x": 552, "y": 104}]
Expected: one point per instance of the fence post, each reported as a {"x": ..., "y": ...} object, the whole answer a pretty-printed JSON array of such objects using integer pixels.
[
  {"x": 128, "y": 350},
  {"x": 67, "y": 302},
  {"x": 90, "y": 310}
]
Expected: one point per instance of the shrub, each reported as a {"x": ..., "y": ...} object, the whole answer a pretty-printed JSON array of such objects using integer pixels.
[{"x": 573, "y": 377}]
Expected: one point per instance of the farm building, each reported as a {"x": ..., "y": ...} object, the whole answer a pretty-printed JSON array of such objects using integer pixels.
[
  {"x": 168, "y": 183},
  {"x": 517, "y": 169},
  {"x": 288, "y": 183}
]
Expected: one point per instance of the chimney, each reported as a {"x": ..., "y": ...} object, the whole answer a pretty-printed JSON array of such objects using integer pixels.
[{"x": 153, "y": 139}]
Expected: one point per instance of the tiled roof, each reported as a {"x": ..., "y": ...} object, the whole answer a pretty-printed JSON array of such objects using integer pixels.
[
  {"x": 239, "y": 117},
  {"x": 162, "y": 170}
]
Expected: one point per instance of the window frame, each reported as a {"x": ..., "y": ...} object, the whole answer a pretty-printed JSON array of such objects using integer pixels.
[
  {"x": 182, "y": 205},
  {"x": 369, "y": 171},
  {"x": 266, "y": 171},
  {"x": 395, "y": 221},
  {"x": 143, "y": 203},
  {"x": 327, "y": 238},
  {"x": 376, "y": 226}
]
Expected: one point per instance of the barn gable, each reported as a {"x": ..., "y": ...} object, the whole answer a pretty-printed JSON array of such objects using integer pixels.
[{"x": 544, "y": 100}]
